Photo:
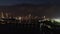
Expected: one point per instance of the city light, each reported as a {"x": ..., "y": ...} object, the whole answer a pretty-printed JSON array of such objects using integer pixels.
[
  {"x": 26, "y": 18},
  {"x": 57, "y": 20},
  {"x": 19, "y": 18}
]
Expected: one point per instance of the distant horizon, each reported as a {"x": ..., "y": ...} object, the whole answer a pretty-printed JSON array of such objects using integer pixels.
[{"x": 28, "y": 4}]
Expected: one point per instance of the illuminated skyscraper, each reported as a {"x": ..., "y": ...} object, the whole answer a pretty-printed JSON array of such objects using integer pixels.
[
  {"x": 29, "y": 15},
  {"x": 44, "y": 17},
  {"x": 2, "y": 15},
  {"x": 29, "y": 18},
  {"x": 6, "y": 15}
]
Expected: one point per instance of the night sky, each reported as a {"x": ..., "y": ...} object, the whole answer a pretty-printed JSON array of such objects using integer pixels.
[
  {"x": 12, "y": 2},
  {"x": 54, "y": 10}
]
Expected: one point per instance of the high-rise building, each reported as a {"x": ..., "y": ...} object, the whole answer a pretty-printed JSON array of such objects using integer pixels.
[
  {"x": 2, "y": 15},
  {"x": 6, "y": 14}
]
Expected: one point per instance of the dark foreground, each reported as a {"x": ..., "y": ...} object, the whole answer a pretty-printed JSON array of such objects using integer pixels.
[
  {"x": 29, "y": 28},
  {"x": 20, "y": 28}
]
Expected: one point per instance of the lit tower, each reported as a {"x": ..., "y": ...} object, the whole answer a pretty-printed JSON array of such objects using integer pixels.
[
  {"x": 2, "y": 15},
  {"x": 6, "y": 14},
  {"x": 44, "y": 17},
  {"x": 29, "y": 15},
  {"x": 29, "y": 18}
]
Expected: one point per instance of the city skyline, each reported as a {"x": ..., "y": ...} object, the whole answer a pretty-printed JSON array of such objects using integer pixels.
[{"x": 35, "y": 7}]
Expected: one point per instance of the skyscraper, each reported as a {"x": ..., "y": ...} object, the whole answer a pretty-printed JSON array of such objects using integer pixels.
[
  {"x": 6, "y": 14},
  {"x": 2, "y": 15}
]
